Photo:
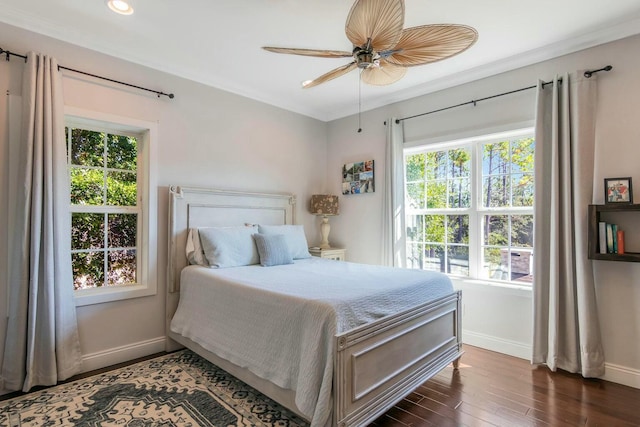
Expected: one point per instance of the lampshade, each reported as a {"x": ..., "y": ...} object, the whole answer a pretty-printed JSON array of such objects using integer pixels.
[{"x": 324, "y": 204}]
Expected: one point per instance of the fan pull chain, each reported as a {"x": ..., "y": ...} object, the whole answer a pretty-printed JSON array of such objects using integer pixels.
[{"x": 360, "y": 102}]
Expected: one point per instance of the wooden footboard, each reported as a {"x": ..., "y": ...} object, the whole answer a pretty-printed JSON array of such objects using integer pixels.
[{"x": 378, "y": 364}]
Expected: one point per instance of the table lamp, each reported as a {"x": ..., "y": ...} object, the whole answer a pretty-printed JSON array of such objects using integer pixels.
[{"x": 325, "y": 205}]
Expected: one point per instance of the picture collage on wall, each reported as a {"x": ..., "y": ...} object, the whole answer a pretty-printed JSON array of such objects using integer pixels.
[{"x": 357, "y": 178}]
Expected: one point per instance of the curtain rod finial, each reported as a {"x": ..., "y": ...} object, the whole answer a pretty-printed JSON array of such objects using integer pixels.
[{"x": 590, "y": 73}]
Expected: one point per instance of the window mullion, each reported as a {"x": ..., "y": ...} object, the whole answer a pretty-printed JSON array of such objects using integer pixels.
[
  {"x": 475, "y": 226},
  {"x": 68, "y": 135},
  {"x": 141, "y": 274},
  {"x": 510, "y": 176},
  {"x": 510, "y": 247},
  {"x": 106, "y": 249}
]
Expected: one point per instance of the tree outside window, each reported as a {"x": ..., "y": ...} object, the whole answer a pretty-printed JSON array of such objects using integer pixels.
[
  {"x": 438, "y": 182},
  {"x": 483, "y": 188},
  {"x": 105, "y": 213},
  {"x": 507, "y": 187}
]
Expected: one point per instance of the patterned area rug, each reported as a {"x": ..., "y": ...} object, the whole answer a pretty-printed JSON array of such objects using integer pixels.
[{"x": 180, "y": 389}]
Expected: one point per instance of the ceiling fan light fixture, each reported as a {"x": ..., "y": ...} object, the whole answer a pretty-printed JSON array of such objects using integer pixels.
[{"x": 120, "y": 6}]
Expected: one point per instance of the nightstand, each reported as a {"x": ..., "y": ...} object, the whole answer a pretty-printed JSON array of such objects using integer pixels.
[{"x": 337, "y": 254}]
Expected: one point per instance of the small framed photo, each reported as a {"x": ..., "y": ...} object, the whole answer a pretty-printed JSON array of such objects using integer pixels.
[{"x": 618, "y": 190}]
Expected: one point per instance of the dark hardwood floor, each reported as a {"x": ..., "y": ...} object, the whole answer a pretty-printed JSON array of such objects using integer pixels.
[{"x": 492, "y": 389}]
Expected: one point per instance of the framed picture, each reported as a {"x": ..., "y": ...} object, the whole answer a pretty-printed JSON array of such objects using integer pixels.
[
  {"x": 357, "y": 178},
  {"x": 618, "y": 190}
]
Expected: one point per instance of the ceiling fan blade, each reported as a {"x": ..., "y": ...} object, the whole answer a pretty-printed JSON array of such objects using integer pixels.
[
  {"x": 330, "y": 75},
  {"x": 384, "y": 74},
  {"x": 430, "y": 43},
  {"x": 381, "y": 21},
  {"x": 310, "y": 52}
]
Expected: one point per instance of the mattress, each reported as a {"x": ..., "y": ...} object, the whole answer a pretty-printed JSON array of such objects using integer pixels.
[{"x": 279, "y": 322}]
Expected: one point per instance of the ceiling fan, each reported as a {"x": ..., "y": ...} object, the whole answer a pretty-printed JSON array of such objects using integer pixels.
[{"x": 382, "y": 49}]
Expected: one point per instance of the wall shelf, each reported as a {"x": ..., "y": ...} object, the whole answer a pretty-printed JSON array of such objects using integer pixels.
[{"x": 594, "y": 219}]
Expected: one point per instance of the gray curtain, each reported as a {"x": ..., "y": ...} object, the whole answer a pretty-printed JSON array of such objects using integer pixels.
[
  {"x": 42, "y": 345},
  {"x": 566, "y": 327},
  {"x": 393, "y": 221}
]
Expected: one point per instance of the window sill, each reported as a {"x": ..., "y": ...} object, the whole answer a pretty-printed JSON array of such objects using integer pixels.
[
  {"x": 108, "y": 294},
  {"x": 493, "y": 285}
]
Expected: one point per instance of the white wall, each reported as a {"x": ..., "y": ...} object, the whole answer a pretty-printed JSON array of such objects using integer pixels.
[
  {"x": 207, "y": 138},
  {"x": 501, "y": 319}
]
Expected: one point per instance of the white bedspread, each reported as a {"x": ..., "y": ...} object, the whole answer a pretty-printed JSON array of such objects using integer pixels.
[{"x": 279, "y": 322}]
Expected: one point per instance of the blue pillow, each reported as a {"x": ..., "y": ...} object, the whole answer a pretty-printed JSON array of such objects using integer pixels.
[
  {"x": 294, "y": 235},
  {"x": 273, "y": 249}
]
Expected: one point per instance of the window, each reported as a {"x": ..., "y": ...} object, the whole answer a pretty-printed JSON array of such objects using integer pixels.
[
  {"x": 104, "y": 207},
  {"x": 110, "y": 203},
  {"x": 469, "y": 207}
]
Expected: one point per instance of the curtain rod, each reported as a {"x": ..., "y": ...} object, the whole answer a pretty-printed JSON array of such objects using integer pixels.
[
  {"x": 60, "y": 67},
  {"x": 587, "y": 74}
]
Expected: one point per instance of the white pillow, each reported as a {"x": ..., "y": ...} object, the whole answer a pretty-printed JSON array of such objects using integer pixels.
[
  {"x": 195, "y": 253},
  {"x": 229, "y": 246},
  {"x": 294, "y": 235}
]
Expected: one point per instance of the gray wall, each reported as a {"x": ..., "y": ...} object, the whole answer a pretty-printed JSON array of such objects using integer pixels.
[
  {"x": 207, "y": 138},
  {"x": 212, "y": 138},
  {"x": 496, "y": 317}
]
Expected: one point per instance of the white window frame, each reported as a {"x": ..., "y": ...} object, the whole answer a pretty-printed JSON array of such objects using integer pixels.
[
  {"x": 147, "y": 283},
  {"x": 476, "y": 211},
  {"x": 446, "y": 211}
]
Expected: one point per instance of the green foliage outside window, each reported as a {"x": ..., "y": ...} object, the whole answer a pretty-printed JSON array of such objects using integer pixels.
[
  {"x": 441, "y": 180},
  {"x": 104, "y": 193},
  {"x": 507, "y": 176}
]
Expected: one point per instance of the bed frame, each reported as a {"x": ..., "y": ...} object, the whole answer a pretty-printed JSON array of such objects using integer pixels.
[{"x": 375, "y": 365}]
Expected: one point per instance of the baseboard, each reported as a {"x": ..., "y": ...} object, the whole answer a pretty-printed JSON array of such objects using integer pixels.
[
  {"x": 501, "y": 345},
  {"x": 613, "y": 373},
  {"x": 125, "y": 353},
  {"x": 621, "y": 375}
]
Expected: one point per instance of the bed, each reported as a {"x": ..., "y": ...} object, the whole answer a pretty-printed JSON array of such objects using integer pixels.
[{"x": 335, "y": 369}]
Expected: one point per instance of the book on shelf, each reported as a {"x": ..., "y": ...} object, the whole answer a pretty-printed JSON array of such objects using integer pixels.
[
  {"x": 610, "y": 237},
  {"x": 620, "y": 239}
]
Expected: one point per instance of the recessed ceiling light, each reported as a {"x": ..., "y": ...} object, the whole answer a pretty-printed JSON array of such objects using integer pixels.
[{"x": 120, "y": 6}]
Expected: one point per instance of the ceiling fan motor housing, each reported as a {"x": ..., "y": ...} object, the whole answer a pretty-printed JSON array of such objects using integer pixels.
[{"x": 364, "y": 57}]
